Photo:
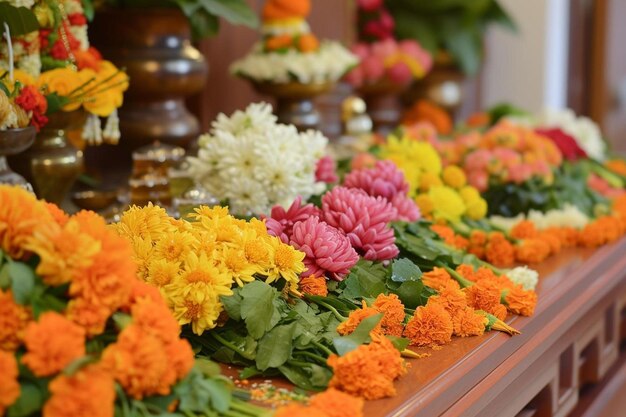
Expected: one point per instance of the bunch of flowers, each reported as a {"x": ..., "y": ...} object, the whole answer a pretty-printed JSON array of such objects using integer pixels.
[
  {"x": 576, "y": 136},
  {"x": 253, "y": 163},
  {"x": 288, "y": 50},
  {"x": 21, "y": 105},
  {"x": 330, "y": 403},
  {"x": 507, "y": 153},
  {"x": 441, "y": 193},
  {"x": 78, "y": 323},
  {"x": 388, "y": 60},
  {"x": 194, "y": 263}
]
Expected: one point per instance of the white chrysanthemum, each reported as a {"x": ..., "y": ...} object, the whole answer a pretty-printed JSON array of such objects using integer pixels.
[
  {"x": 80, "y": 33},
  {"x": 526, "y": 277},
  {"x": 30, "y": 64},
  {"x": 329, "y": 63},
  {"x": 586, "y": 133},
  {"x": 506, "y": 223},
  {"x": 253, "y": 163},
  {"x": 568, "y": 216},
  {"x": 20, "y": 3},
  {"x": 73, "y": 7}
]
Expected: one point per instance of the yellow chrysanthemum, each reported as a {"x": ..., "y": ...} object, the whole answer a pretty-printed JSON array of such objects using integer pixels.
[
  {"x": 174, "y": 247},
  {"x": 201, "y": 270},
  {"x": 211, "y": 213},
  {"x": 258, "y": 226},
  {"x": 197, "y": 305},
  {"x": 204, "y": 242},
  {"x": 286, "y": 263},
  {"x": 143, "y": 250},
  {"x": 448, "y": 204},
  {"x": 454, "y": 177},
  {"x": 469, "y": 194},
  {"x": 429, "y": 180},
  {"x": 234, "y": 262},
  {"x": 162, "y": 272},
  {"x": 148, "y": 222},
  {"x": 425, "y": 203},
  {"x": 477, "y": 209}
]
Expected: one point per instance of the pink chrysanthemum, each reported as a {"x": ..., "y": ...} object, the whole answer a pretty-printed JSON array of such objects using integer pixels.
[
  {"x": 364, "y": 219},
  {"x": 386, "y": 180},
  {"x": 326, "y": 170},
  {"x": 280, "y": 223},
  {"x": 328, "y": 251}
]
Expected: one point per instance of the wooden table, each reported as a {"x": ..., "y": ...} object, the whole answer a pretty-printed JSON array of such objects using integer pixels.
[{"x": 566, "y": 361}]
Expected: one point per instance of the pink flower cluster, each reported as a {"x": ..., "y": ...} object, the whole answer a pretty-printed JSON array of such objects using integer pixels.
[
  {"x": 326, "y": 170},
  {"x": 397, "y": 62},
  {"x": 375, "y": 22},
  {"x": 387, "y": 181}
]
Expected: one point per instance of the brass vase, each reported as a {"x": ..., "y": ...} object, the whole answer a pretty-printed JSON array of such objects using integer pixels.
[
  {"x": 154, "y": 46},
  {"x": 383, "y": 104},
  {"x": 12, "y": 142},
  {"x": 53, "y": 164},
  {"x": 294, "y": 101}
]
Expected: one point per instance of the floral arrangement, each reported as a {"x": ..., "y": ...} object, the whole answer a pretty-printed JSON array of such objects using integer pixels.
[
  {"x": 21, "y": 105},
  {"x": 69, "y": 72},
  {"x": 290, "y": 52},
  {"x": 382, "y": 57},
  {"x": 80, "y": 333},
  {"x": 252, "y": 163},
  {"x": 196, "y": 262}
]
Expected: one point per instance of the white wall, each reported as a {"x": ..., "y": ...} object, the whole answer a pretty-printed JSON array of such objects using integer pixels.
[{"x": 529, "y": 69}]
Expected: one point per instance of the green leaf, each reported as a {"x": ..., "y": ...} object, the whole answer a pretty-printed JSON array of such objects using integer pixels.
[
  {"x": 410, "y": 294},
  {"x": 257, "y": 308},
  {"x": 203, "y": 24},
  {"x": 77, "y": 364},
  {"x": 31, "y": 400},
  {"x": 235, "y": 11},
  {"x": 5, "y": 279},
  {"x": 219, "y": 393},
  {"x": 22, "y": 282},
  {"x": 404, "y": 270},
  {"x": 366, "y": 280},
  {"x": 275, "y": 347},
  {"x": 308, "y": 376},
  {"x": 56, "y": 103},
  {"x": 360, "y": 335},
  {"x": 19, "y": 19},
  {"x": 5, "y": 89},
  {"x": 400, "y": 343},
  {"x": 232, "y": 305},
  {"x": 193, "y": 392},
  {"x": 88, "y": 9},
  {"x": 207, "y": 367}
]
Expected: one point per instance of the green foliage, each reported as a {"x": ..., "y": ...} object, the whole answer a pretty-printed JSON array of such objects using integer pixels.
[
  {"x": 456, "y": 26},
  {"x": 31, "y": 399},
  {"x": 19, "y": 19},
  {"x": 275, "y": 347},
  {"x": 361, "y": 334},
  {"x": 366, "y": 280},
  {"x": 55, "y": 102},
  {"x": 257, "y": 308},
  {"x": 22, "y": 281}
]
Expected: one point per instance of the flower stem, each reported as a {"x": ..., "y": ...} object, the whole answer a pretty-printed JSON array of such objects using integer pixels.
[
  {"x": 332, "y": 309},
  {"x": 248, "y": 409},
  {"x": 311, "y": 355},
  {"x": 229, "y": 345},
  {"x": 464, "y": 282},
  {"x": 322, "y": 347}
]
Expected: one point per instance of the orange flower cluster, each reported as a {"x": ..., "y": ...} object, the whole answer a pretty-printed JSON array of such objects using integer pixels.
[
  {"x": 430, "y": 326},
  {"x": 392, "y": 322},
  {"x": 602, "y": 230},
  {"x": 447, "y": 234},
  {"x": 426, "y": 111},
  {"x": 84, "y": 254},
  {"x": 304, "y": 43},
  {"x": 330, "y": 403},
  {"x": 368, "y": 371},
  {"x": 313, "y": 285}
]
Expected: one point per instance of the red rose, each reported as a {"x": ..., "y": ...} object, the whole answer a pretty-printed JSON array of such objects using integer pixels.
[
  {"x": 30, "y": 99},
  {"x": 566, "y": 143}
]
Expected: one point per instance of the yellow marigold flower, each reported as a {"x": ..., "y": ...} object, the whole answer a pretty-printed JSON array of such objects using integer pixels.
[
  {"x": 429, "y": 180},
  {"x": 425, "y": 204},
  {"x": 13, "y": 321},
  {"x": 88, "y": 392},
  {"x": 286, "y": 263},
  {"x": 20, "y": 215},
  {"x": 477, "y": 209},
  {"x": 162, "y": 272},
  {"x": 52, "y": 343},
  {"x": 195, "y": 304},
  {"x": 9, "y": 386},
  {"x": 174, "y": 247},
  {"x": 56, "y": 246},
  {"x": 201, "y": 270},
  {"x": 234, "y": 262},
  {"x": 469, "y": 194},
  {"x": 257, "y": 249},
  {"x": 448, "y": 205},
  {"x": 454, "y": 177},
  {"x": 149, "y": 222}
]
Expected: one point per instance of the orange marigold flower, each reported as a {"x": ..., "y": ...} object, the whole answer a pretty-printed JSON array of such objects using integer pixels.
[
  {"x": 480, "y": 119},
  {"x": 592, "y": 235},
  {"x": 451, "y": 298},
  {"x": 90, "y": 316},
  {"x": 466, "y": 271},
  {"x": 299, "y": 410},
  {"x": 478, "y": 238},
  {"x": 477, "y": 251},
  {"x": 430, "y": 326},
  {"x": 139, "y": 362},
  {"x": 568, "y": 236},
  {"x": 13, "y": 321},
  {"x": 52, "y": 343},
  {"x": 308, "y": 43},
  {"x": 521, "y": 301},
  {"x": 426, "y": 111},
  {"x": 460, "y": 242},
  {"x": 369, "y": 370},
  {"x": 617, "y": 165},
  {"x": 20, "y": 215},
  {"x": 532, "y": 251},
  {"x": 59, "y": 216},
  {"x": 356, "y": 317},
  {"x": 89, "y": 392},
  {"x": 445, "y": 232},
  {"x": 313, "y": 285},
  {"x": 9, "y": 386},
  {"x": 278, "y": 42},
  {"x": 469, "y": 323},
  {"x": 393, "y": 313},
  {"x": 524, "y": 230},
  {"x": 553, "y": 241},
  {"x": 335, "y": 403},
  {"x": 56, "y": 246},
  {"x": 438, "y": 278},
  {"x": 485, "y": 296},
  {"x": 499, "y": 251},
  {"x": 141, "y": 289}
]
